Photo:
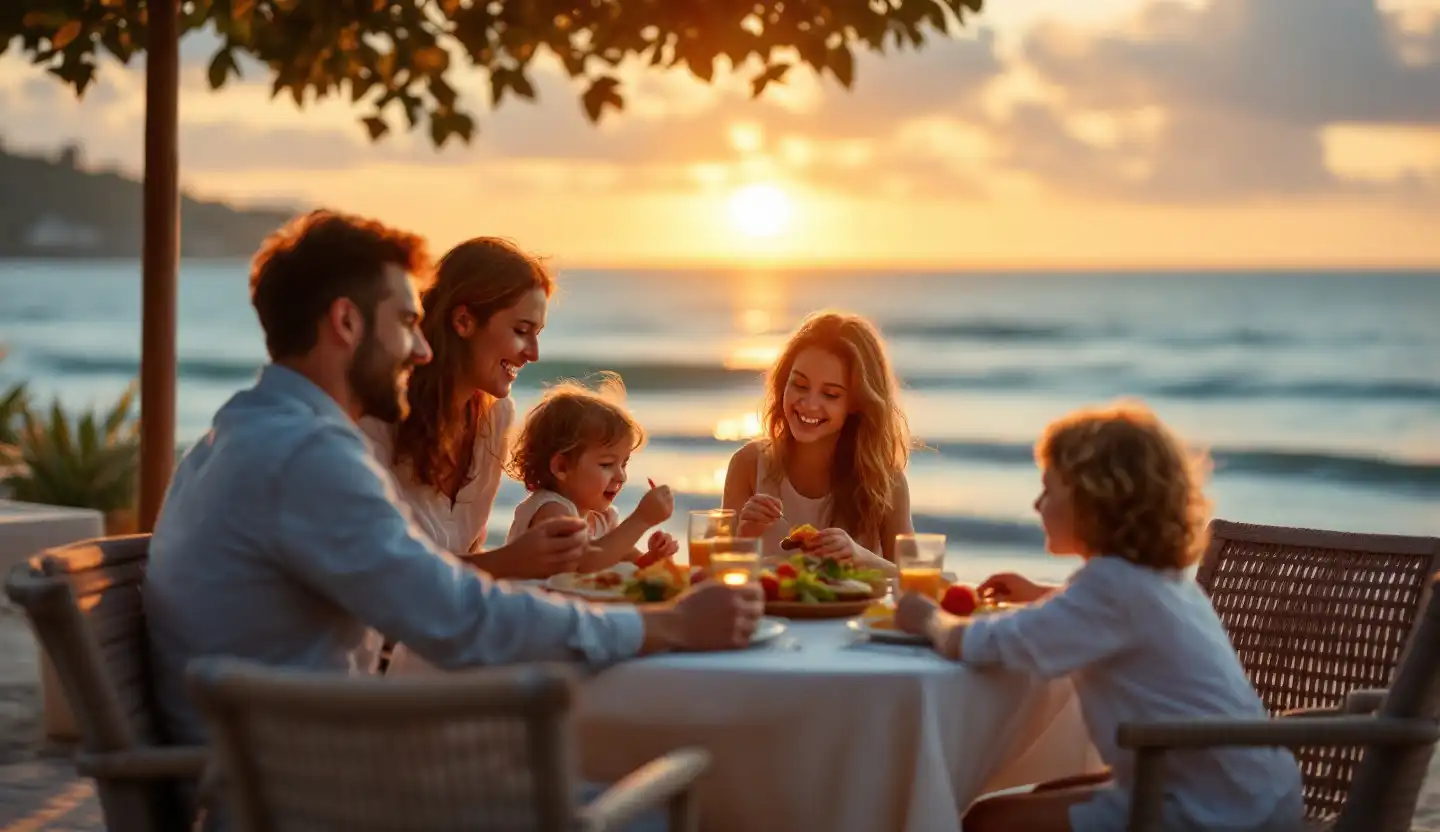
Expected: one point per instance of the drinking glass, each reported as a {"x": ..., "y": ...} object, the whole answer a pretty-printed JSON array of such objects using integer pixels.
[
  {"x": 921, "y": 558},
  {"x": 735, "y": 561},
  {"x": 705, "y": 527}
]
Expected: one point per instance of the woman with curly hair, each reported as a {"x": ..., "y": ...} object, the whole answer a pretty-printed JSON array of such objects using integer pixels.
[{"x": 1131, "y": 628}]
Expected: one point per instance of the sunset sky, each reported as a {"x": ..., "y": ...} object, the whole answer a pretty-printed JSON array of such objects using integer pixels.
[{"x": 1051, "y": 133}]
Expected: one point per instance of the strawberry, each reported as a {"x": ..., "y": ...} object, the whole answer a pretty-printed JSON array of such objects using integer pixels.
[
  {"x": 785, "y": 570},
  {"x": 771, "y": 585},
  {"x": 961, "y": 600},
  {"x": 647, "y": 559}
]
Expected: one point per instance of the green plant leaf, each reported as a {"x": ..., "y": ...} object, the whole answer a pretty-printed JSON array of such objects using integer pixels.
[{"x": 90, "y": 460}]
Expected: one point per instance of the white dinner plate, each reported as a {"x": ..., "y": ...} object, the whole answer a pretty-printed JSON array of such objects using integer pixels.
[
  {"x": 884, "y": 635},
  {"x": 569, "y": 583},
  {"x": 767, "y": 631}
]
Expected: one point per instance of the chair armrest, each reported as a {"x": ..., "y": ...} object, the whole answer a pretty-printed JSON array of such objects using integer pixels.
[
  {"x": 1288, "y": 732},
  {"x": 1365, "y": 701},
  {"x": 149, "y": 763},
  {"x": 1090, "y": 778},
  {"x": 651, "y": 785},
  {"x": 1360, "y": 701}
]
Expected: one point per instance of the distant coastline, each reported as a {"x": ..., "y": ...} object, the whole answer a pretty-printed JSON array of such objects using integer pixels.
[{"x": 66, "y": 211}]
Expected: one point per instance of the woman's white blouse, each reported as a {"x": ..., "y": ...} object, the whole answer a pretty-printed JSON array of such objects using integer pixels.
[{"x": 461, "y": 527}]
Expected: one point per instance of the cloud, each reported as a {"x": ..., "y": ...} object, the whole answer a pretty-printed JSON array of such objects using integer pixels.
[
  {"x": 1184, "y": 102},
  {"x": 1304, "y": 62},
  {"x": 676, "y": 132},
  {"x": 1244, "y": 89}
]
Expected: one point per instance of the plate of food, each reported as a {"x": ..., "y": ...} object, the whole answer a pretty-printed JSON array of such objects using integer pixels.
[
  {"x": 625, "y": 582},
  {"x": 605, "y": 585},
  {"x": 877, "y": 622},
  {"x": 806, "y": 586}
]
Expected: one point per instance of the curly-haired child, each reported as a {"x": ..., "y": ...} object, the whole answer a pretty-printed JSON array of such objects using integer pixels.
[
  {"x": 572, "y": 455},
  {"x": 1131, "y": 628}
]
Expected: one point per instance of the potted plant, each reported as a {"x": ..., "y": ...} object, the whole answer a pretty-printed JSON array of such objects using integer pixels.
[
  {"x": 12, "y": 404},
  {"x": 91, "y": 462}
]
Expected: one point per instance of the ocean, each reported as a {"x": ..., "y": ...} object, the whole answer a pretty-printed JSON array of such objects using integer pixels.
[{"x": 1318, "y": 395}]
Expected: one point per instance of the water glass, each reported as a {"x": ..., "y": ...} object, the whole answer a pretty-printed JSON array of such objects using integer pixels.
[
  {"x": 705, "y": 527},
  {"x": 921, "y": 558},
  {"x": 735, "y": 561}
]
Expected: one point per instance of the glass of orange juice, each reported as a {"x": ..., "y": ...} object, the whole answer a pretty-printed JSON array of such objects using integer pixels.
[
  {"x": 921, "y": 558},
  {"x": 705, "y": 527},
  {"x": 735, "y": 561}
]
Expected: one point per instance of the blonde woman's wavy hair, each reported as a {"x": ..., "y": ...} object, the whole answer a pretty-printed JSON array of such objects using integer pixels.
[
  {"x": 1137, "y": 491},
  {"x": 875, "y": 441}
]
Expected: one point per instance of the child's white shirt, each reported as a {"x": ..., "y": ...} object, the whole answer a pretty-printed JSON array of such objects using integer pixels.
[
  {"x": 1146, "y": 644},
  {"x": 600, "y": 524}
]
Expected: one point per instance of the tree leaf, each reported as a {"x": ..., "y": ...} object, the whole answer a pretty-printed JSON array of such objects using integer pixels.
[
  {"x": 772, "y": 74},
  {"x": 603, "y": 91},
  {"x": 521, "y": 85},
  {"x": 499, "y": 82},
  {"x": 430, "y": 61},
  {"x": 404, "y": 46},
  {"x": 842, "y": 65},
  {"x": 375, "y": 126},
  {"x": 220, "y": 68},
  {"x": 443, "y": 93},
  {"x": 65, "y": 34},
  {"x": 44, "y": 20}
]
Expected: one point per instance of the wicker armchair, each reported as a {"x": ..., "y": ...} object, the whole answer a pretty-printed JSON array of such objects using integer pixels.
[
  {"x": 480, "y": 750},
  {"x": 1398, "y": 742},
  {"x": 1319, "y": 620},
  {"x": 84, "y": 601}
]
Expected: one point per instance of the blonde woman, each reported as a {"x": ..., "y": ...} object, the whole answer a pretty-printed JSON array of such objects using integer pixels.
[{"x": 835, "y": 447}]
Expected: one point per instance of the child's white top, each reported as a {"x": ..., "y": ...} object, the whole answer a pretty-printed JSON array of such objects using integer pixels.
[
  {"x": 1143, "y": 644},
  {"x": 600, "y": 524},
  {"x": 799, "y": 509},
  {"x": 460, "y": 526}
]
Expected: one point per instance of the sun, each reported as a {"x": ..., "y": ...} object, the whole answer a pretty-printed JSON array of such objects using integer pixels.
[{"x": 760, "y": 210}]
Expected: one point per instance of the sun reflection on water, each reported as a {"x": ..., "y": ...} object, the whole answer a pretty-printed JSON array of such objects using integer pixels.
[
  {"x": 752, "y": 355},
  {"x": 737, "y": 428}
]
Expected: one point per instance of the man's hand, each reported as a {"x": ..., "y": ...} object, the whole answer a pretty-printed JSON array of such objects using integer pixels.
[{"x": 708, "y": 617}]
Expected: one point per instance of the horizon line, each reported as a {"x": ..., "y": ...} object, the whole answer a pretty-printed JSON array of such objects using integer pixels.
[{"x": 914, "y": 266}]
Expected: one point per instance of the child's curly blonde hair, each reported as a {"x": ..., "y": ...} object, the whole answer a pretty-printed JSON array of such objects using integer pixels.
[
  {"x": 570, "y": 418},
  {"x": 1136, "y": 489}
]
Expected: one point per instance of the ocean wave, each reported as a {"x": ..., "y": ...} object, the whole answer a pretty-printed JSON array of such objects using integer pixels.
[
  {"x": 199, "y": 369},
  {"x": 30, "y": 314},
  {"x": 1094, "y": 380},
  {"x": 1420, "y": 477},
  {"x": 983, "y": 531},
  {"x": 1240, "y": 387},
  {"x": 1007, "y": 331},
  {"x": 1409, "y": 476},
  {"x": 987, "y": 330}
]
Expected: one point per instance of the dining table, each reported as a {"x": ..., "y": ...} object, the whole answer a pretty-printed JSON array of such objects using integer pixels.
[{"x": 823, "y": 728}]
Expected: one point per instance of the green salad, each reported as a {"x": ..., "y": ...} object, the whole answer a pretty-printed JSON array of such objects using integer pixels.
[{"x": 812, "y": 580}]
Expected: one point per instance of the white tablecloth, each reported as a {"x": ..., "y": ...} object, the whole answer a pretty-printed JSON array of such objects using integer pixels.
[{"x": 837, "y": 735}]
